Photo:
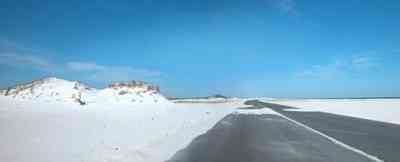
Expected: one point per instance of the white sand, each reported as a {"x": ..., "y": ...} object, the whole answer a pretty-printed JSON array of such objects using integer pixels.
[
  {"x": 386, "y": 110},
  {"x": 67, "y": 132}
]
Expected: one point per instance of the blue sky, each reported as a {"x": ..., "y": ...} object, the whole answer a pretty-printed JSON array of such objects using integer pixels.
[{"x": 276, "y": 48}]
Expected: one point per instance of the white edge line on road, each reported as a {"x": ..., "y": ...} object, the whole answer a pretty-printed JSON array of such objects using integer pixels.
[{"x": 334, "y": 140}]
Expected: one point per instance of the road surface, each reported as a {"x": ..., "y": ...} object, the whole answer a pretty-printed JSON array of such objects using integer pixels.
[
  {"x": 376, "y": 138},
  {"x": 263, "y": 138}
]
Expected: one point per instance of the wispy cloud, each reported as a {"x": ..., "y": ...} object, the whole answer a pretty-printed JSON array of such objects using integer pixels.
[
  {"x": 120, "y": 73},
  {"x": 84, "y": 66},
  {"x": 327, "y": 71},
  {"x": 363, "y": 63},
  {"x": 285, "y": 6},
  {"x": 14, "y": 56},
  {"x": 397, "y": 51},
  {"x": 338, "y": 68},
  {"x": 110, "y": 73},
  {"x": 25, "y": 60},
  {"x": 17, "y": 56}
]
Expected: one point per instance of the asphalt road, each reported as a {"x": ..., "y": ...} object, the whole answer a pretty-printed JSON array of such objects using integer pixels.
[
  {"x": 263, "y": 138},
  {"x": 375, "y": 138}
]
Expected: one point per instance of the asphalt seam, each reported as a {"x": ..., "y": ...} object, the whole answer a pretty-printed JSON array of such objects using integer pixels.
[{"x": 333, "y": 139}]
